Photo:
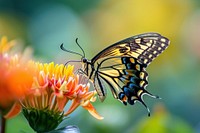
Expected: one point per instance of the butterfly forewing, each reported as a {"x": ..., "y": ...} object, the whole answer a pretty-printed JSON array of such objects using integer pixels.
[{"x": 143, "y": 47}]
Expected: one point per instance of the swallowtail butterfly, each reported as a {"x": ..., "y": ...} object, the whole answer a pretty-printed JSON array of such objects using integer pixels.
[{"x": 122, "y": 66}]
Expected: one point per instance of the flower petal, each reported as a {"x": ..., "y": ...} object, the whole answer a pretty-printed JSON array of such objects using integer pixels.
[
  {"x": 93, "y": 111},
  {"x": 16, "y": 108},
  {"x": 62, "y": 102},
  {"x": 74, "y": 105}
]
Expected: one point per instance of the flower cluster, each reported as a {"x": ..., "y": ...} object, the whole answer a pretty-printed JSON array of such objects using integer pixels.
[
  {"x": 15, "y": 79},
  {"x": 55, "y": 86},
  {"x": 41, "y": 90}
]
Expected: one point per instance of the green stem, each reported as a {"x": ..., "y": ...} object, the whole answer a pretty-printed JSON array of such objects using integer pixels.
[{"x": 3, "y": 124}]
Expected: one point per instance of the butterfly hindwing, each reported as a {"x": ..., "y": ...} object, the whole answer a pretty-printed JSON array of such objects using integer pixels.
[
  {"x": 134, "y": 88},
  {"x": 108, "y": 74},
  {"x": 126, "y": 78}
]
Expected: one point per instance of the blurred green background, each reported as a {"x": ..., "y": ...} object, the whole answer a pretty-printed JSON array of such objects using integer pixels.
[{"x": 174, "y": 76}]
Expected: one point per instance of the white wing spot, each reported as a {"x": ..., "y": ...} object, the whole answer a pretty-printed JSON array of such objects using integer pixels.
[
  {"x": 163, "y": 39},
  {"x": 159, "y": 48},
  {"x": 150, "y": 56},
  {"x": 149, "y": 44},
  {"x": 162, "y": 45},
  {"x": 145, "y": 61},
  {"x": 154, "y": 52},
  {"x": 138, "y": 40}
]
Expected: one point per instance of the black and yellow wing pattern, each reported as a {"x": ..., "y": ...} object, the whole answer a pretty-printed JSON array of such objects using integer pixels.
[{"x": 122, "y": 66}]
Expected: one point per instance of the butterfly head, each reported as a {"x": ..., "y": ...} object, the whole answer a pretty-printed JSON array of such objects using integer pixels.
[{"x": 84, "y": 60}]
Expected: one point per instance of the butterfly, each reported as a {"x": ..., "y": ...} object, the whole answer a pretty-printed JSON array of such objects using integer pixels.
[{"x": 122, "y": 66}]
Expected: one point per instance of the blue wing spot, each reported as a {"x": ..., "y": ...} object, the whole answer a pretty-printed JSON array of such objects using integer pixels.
[
  {"x": 132, "y": 86},
  {"x": 129, "y": 66},
  {"x": 134, "y": 79},
  {"x": 125, "y": 60},
  {"x": 126, "y": 91}
]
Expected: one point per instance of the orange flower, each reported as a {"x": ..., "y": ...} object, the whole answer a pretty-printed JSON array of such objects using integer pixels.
[
  {"x": 43, "y": 90},
  {"x": 54, "y": 86},
  {"x": 15, "y": 79}
]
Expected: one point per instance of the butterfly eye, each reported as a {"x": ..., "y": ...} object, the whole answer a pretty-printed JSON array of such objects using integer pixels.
[{"x": 84, "y": 60}]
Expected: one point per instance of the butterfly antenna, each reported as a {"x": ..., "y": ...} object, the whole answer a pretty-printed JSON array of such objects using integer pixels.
[
  {"x": 80, "y": 47},
  {"x": 69, "y": 51},
  {"x": 69, "y": 62}
]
